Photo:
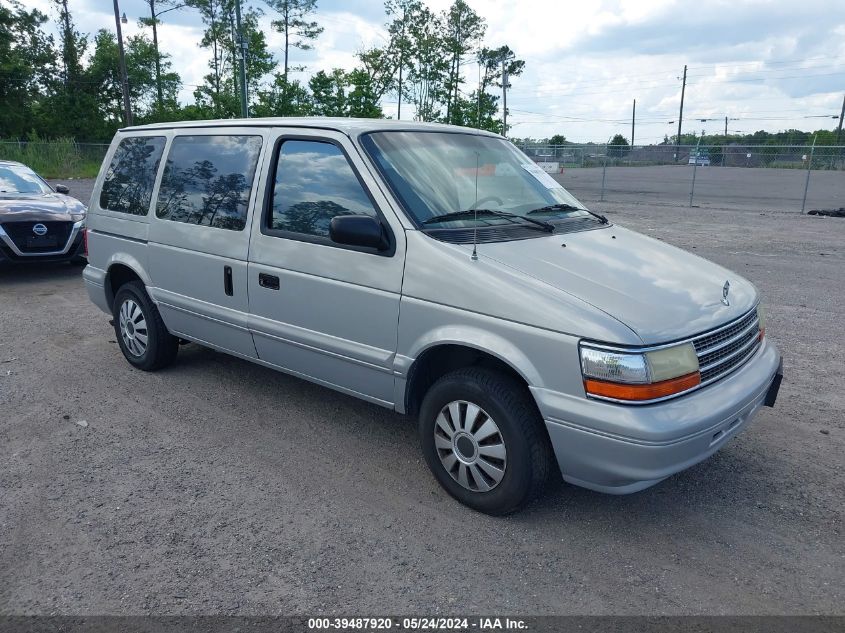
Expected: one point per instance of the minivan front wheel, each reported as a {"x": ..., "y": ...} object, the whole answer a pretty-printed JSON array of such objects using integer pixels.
[
  {"x": 140, "y": 331},
  {"x": 484, "y": 440}
]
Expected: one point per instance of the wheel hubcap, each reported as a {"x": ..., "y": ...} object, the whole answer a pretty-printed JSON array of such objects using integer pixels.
[
  {"x": 133, "y": 327},
  {"x": 470, "y": 446}
]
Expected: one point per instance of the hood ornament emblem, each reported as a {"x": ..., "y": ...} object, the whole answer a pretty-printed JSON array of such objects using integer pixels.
[
  {"x": 725, "y": 290},
  {"x": 39, "y": 229}
]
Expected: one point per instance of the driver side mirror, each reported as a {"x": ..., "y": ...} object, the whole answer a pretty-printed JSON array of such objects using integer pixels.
[
  {"x": 358, "y": 230},
  {"x": 61, "y": 189}
]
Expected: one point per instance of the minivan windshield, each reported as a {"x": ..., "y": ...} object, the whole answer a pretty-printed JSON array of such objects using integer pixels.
[
  {"x": 20, "y": 179},
  {"x": 439, "y": 175}
]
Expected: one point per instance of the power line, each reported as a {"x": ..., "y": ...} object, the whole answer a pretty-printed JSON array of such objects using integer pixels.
[{"x": 564, "y": 92}]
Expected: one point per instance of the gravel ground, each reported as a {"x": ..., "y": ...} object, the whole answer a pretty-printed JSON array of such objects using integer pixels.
[{"x": 217, "y": 486}]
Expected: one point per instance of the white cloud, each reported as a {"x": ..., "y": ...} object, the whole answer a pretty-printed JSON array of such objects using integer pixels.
[{"x": 587, "y": 61}]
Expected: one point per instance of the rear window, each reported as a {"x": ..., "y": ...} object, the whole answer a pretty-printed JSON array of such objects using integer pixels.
[
  {"x": 128, "y": 186},
  {"x": 207, "y": 180}
]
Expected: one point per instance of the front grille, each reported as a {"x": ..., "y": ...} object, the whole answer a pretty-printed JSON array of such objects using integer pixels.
[
  {"x": 723, "y": 350},
  {"x": 21, "y": 232}
]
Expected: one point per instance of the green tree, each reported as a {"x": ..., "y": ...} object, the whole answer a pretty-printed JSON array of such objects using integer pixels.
[
  {"x": 294, "y": 25},
  {"x": 377, "y": 72},
  {"x": 328, "y": 93},
  {"x": 27, "y": 67},
  {"x": 399, "y": 48},
  {"x": 618, "y": 146},
  {"x": 157, "y": 9},
  {"x": 144, "y": 75},
  {"x": 480, "y": 110},
  {"x": 218, "y": 96},
  {"x": 427, "y": 65},
  {"x": 283, "y": 99},
  {"x": 493, "y": 62},
  {"x": 363, "y": 98},
  {"x": 73, "y": 44},
  {"x": 259, "y": 60},
  {"x": 463, "y": 29},
  {"x": 71, "y": 102},
  {"x": 557, "y": 139},
  {"x": 212, "y": 96}
]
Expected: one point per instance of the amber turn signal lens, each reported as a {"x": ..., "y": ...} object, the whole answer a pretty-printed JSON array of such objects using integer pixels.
[{"x": 651, "y": 391}]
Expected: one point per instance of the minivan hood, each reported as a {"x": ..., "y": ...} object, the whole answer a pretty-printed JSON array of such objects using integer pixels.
[
  {"x": 659, "y": 291},
  {"x": 44, "y": 207}
]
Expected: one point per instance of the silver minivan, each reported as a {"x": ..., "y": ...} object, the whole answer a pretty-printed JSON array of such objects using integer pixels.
[{"x": 437, "y": 271}]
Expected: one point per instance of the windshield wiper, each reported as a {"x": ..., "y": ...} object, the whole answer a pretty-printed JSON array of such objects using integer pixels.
[
  {"x": 454, "y": 215},
  {"x": 567, "y": 207}
]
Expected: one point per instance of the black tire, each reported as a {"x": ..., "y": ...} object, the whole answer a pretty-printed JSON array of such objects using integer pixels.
[
  {"x": 530, "y": 459},
  {"x": 79, "y": 260},
  {"x": 161, "y": 346}
]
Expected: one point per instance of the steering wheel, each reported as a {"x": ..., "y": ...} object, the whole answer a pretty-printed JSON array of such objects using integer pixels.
[{"x": 487, "y": 198}]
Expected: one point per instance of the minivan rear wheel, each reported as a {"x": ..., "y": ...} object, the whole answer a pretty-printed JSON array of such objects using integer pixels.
[
  {"x": 484, "y": 440},
  {"x": 140, "y": 331}
]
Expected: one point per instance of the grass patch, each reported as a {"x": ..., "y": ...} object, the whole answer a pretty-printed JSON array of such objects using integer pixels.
[{"x": 59, "y": 159}]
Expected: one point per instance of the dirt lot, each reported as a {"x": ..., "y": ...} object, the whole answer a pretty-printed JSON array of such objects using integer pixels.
[{"x": 218, "y": 486}]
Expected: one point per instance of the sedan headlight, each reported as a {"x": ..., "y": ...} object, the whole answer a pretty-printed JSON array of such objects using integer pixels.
[{"x": 639, "y": 376}]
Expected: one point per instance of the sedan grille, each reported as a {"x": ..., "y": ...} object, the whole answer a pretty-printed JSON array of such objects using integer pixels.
[
  {"x": 723, "y": 350},
  {"x": 27, "y": 241}
]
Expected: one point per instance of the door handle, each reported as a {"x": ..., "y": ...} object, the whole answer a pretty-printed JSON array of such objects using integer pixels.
[
  {"x": 227, "y": 281},
  {"x": 268, "y": 281}
]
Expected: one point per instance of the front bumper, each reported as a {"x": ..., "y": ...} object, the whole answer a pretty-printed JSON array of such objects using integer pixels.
[{"x": 621, "y": 449}]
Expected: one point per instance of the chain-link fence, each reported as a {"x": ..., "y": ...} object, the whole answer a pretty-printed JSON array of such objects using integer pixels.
[
  {"x": 776, "y": 177},
  {"x": 56, "y": 159}
]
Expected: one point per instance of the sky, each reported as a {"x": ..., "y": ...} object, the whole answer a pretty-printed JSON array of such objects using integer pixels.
[{"x": 765, "y": 64}]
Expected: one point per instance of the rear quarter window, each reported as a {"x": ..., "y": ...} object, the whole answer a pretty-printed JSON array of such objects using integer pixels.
[
  {"x": 207, "y": 180},
  {"x": 128, "y": 185}
]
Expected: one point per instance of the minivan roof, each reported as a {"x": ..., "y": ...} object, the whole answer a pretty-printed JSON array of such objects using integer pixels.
[{"x": 348, "y": 126}]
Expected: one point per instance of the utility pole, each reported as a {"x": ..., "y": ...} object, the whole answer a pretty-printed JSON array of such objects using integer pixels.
[
  {"x": 504, "y": 97},
  {"x": 401, "y": 64},
  {"x": 809, "y": 167},
  {"x": 633, "y": 120},
  {"x": 127, "y": 108},
  {"x": 839, "y": 129},
  {"x": 154, "y": 23},
  {"x": 695, "y": 168},
  {"x": 242, "y": 59},
  {"x": 457, "y": 67},
  {"x": 726, "y": 128},
  {"x": 154, "y": 20},
  {"x": 681, "y": 117},
  {"x": 478, "y": 106}
]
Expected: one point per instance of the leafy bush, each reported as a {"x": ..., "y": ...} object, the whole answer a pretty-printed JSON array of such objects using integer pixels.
[{"x": 62, "y": 158}]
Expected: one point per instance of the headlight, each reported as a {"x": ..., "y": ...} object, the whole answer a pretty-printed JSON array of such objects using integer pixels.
[{"x": 639, "y": 376}]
